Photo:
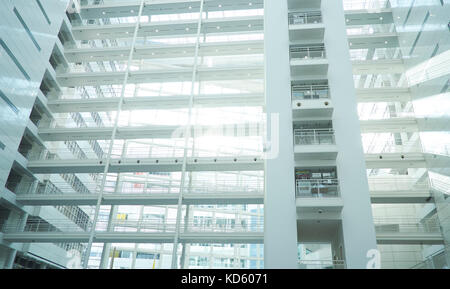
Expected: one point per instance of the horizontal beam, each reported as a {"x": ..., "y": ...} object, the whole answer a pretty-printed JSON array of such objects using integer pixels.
[
  {"x": 150, "y": 132},
  {"x": 166, "y": 75},
  {"x": 241, "y": 163},
  {"x": 141, "y": 199},
  {"x": 194, "y": 237},
  {"x": 130, "y": 8},
  {"x": 116, "y": 199},
  {"x": 129, "y": 237},
  {"x": 157, "y": 102},
  {"x": 365, "y": 67},
  {"x": 400, "y": 197},
  {"x": 409, "y": 238},
  {"x": 377, "y": 40},
  {"x": 366, "y": 16},
  {"x": 162, "y": 51},
  {"x": 383, "y": 94},
  {"x": 395, "y": 160},
  {"x": 170, "y": 28},
  {"x": 400, "y": 124}
]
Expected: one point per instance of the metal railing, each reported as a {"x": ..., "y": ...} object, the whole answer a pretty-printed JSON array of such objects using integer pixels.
[
  {"x": 406, "y": 225},
  {"x": 307, "y": 51},
  {"x": 317, "y": 188},
  {"x": 397, "y": 184},
  {"x": 314, "y": 136},
  {"x": 149, "y": 226},
  {"x": 437, "y": 260},
  {"x": 311, "y": 17},
  {"x": 321, "y": 264},
  {"x": 150, "y": 184},
  {"x": 440, "y": 185},
  {"x": 301, "y": 92}
]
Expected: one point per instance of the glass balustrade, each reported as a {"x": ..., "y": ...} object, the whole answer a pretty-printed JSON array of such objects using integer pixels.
[
  {"x": 314, "y": 137},
  {"x": 317, "y": 188}
]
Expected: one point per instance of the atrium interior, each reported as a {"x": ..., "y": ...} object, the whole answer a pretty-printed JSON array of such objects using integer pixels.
[{"x": 205, "y": 134}]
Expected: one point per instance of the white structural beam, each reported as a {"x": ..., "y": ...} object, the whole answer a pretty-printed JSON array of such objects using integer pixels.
[
  {"x": 401, "y": 197},
  {"x": 395, "y": 160},
  {"x": 165, "y": 51},
  {"x": 128, "y": 237},
  {"x": 357, "y": 233},
  {"x": 218, "y": 100},
  {"x": 377, "y": 40},
  {"x": 154, "y": 102},
  {"x": 409, "y": 238},
  {"x": 368, "y": 16},
  {"x": 165, "y": 75},
  {"x": 117, "y": 199},
  {"x": 240, "y": 163},
  {"x": 390, "y": 238},
  {"x": 382, "y": 94},
  {"x": 170, "y": 28},
  {"x": 380, "y": 66},
  {"x": 150, "y": 132},
  {"x": 400, "y": 124},
  {"x": 280, "y": 234},
  {"x": 129, "y": 8}
]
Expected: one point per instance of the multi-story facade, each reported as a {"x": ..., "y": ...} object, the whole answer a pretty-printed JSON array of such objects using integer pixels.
[{"x": 224, "y": 134}]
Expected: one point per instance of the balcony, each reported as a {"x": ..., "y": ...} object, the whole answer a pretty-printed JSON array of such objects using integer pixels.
[
  {"x": 314, "y": 144},
  {"x": 314, "y": 195},
  {"x": 306, "y": 25},
  {"x": 311, "y": 100},
  {"x": 308, "y": 59}
]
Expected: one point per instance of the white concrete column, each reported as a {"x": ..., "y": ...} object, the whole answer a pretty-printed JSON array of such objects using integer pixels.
[
  {"x": 357, "y": 223},
  {"x": 280, "y": 219}
]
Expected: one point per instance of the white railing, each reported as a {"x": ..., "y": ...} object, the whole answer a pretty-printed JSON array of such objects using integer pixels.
[
  {"x": 440, "y": 185},
  {"x": 317, "y": 188},
  {"x": 321, "y": 264},
  {"x": 406, "y": 225},
  {"x": 314, "y": 136},
  {"x": 312, "y": 17},
  {"x": 151, "y": 184},
  {"x": 155, "y": 226},
  {"x": 307, "y": 52},
  {"x": 437, "y": 260},
  {"x": 301, "y": 92},
  {"x": 397, "y": 184}
]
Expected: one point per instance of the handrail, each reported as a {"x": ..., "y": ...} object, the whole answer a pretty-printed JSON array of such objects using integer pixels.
[
  {"x": 143, "y": 225},
  {"x": 307, "y": 51},
  {"x": 320, "y": 264},
  {"x": 317, "y": 188},
  {"x": 310, "y": 17},
  {"x": 406, "y": 225},
  {"x": 314, "y": 136},
  {"x": 300, "y": 92}
]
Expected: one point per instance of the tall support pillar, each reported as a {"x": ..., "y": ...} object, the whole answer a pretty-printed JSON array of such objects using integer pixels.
[
  {"x": 280, "y": 225},
  {"x": 357, "y": 223}
]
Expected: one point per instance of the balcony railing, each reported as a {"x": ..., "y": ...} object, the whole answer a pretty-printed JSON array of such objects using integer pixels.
[
  {"x": 397, "y": 184},
  {"x": 143, "y": 225},
  {"x": 406, "y": 225},
  {"x": 314, "y": 136},
  {"x": 321, "y": 264},
  {"x": 301, "y": 92},
  {"x": 298, "y": 18},
  {"x": 307, "y": 52},
  {"x": 317, "y": 188}
]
